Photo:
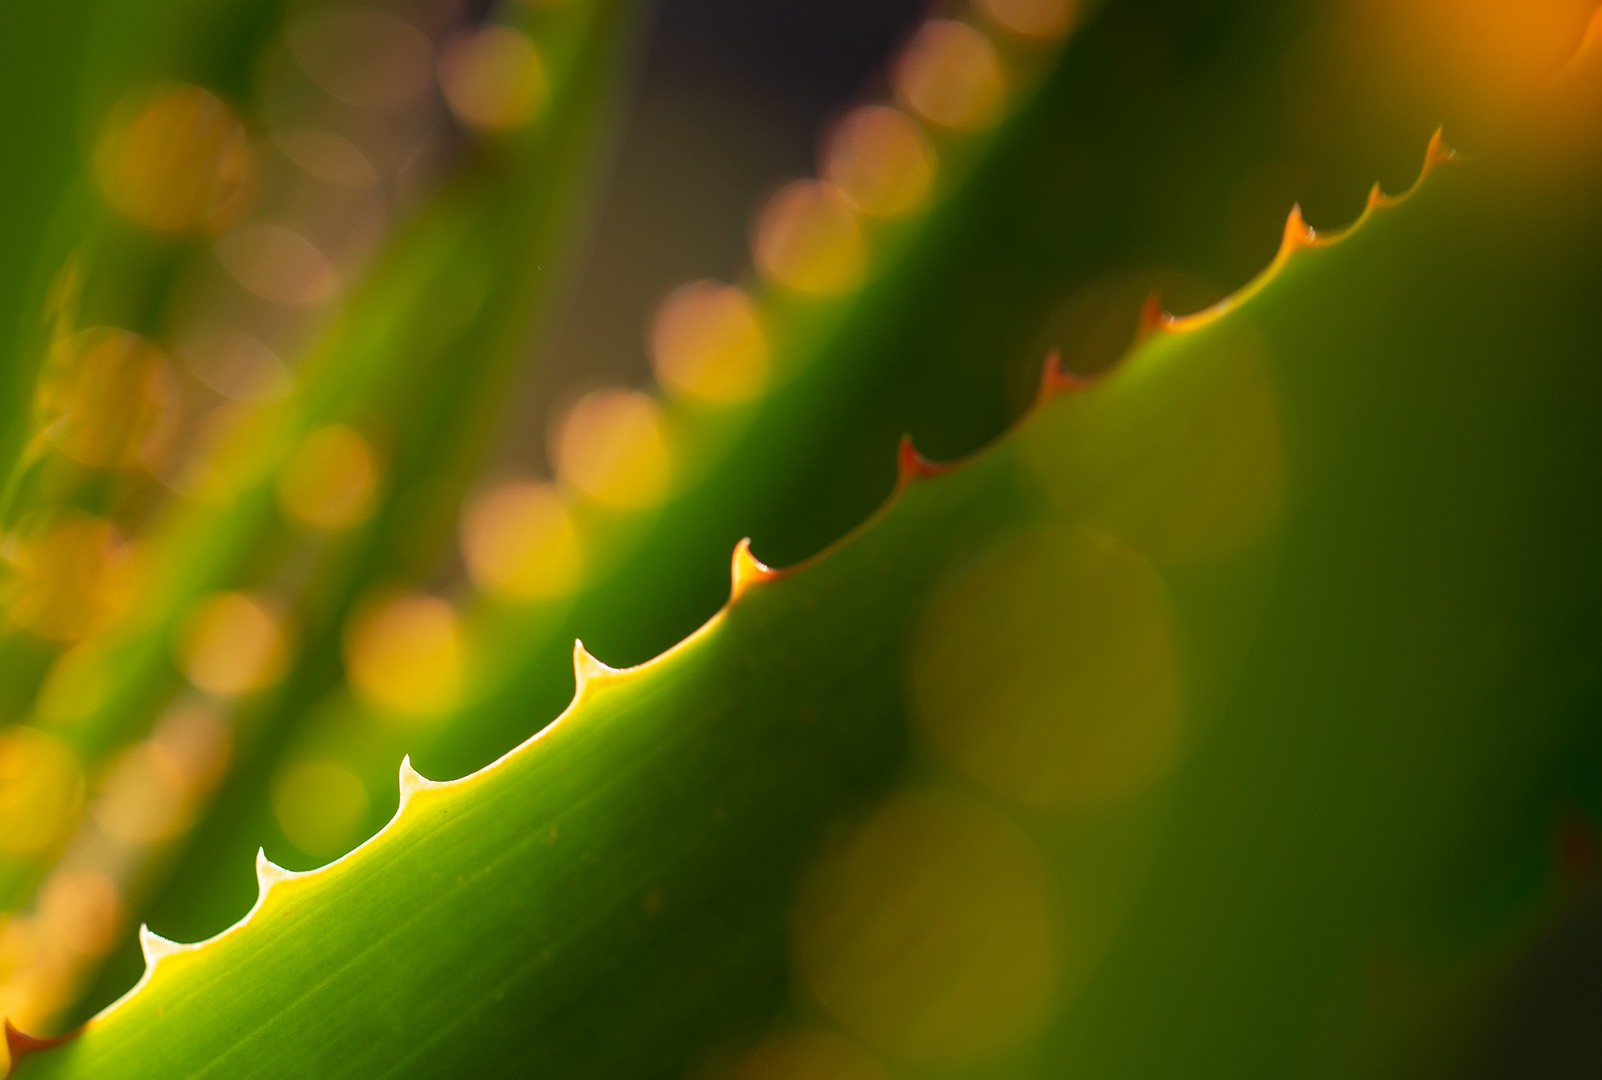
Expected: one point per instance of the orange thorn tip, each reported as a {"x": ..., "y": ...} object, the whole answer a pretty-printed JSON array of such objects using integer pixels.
[
  {"x": 911, "y": 465},
  {"x": 269, "y": 873},
  {"x": 746, "y": 570},
  {"x": 1298, "y": 234},
  {"x": 21, "y": 1044},
  {"x": 1376, "y": 197},
  {"x": 1438, "y": 153},
  {"x": 1054, "y": 380},
  {"x": 586, "y": 667},
  {"x": 1153, "y": 319},
  {"x": 154, "y": 946}
]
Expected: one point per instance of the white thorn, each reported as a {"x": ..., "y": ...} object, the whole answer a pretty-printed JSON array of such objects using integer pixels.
[
  {"x": 154, "y": 946},
  {"x": 411, "y": 780},
  {"x": 586, "y": 667},
  {"x": 269, "y": 873}
]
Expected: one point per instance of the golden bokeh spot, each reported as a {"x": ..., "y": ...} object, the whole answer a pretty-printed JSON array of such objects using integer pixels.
[
  {"x": 807, "y": 1055},
  {"x": 193, "y": 743},
  {"x": 929, "y": 931},
  {"x": 493, "y": 78},
  {"x": 330, "y": 479},
  {"x": 404, "y": 654},
  {"x": 882, "y": 160},
  {"x": 1048, "y": 671},
  {"x": 108, "y": 399},
  {"x": 950, "y": 74},
  {"x": 808, "y": 238},
  {"x": 72, "y": 574},
  {"x": 175, "y": 159},
  {"x": 612, "y": 447},
  {"x": 41, "y": 790},
  {"x": 707, "y": 341},
  {"x": 80, "y": 912},
  {"x": 1040, "y": 19},
  {"x": 1181, "y": 458},
  {"x": 320, "y": 805},
  {"x": 279, "y": 265},
  {"x": 232, "y": 644},
  {"x": 151, "y": 794},
  {"x": 519, "y": 540}
]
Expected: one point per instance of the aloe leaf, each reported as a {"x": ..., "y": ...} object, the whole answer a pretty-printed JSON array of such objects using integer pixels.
[{"x": 1340, "y": 595}]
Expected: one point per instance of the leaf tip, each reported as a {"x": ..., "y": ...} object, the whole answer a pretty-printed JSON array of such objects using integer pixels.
[{"x": 746, "y": 570}]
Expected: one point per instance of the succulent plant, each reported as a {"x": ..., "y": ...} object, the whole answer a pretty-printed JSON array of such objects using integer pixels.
[{"x": 1231, "y": 708}]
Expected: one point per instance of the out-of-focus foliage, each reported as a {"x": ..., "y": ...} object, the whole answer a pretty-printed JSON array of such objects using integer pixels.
[{"x": 1236, "y": 712}]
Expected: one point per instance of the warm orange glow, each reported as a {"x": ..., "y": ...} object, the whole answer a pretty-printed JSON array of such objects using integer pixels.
[
  {"x": 810, "y": 1055},
  {"x": 1048, "y": 670},
  {"x": 331, "y": 158},
  {"x": 320, "y": 805},
  {"x": 175, "y": 159},
  {"x": 330, "y": 479},
  {"x": 882, "y": 160},
  {"x": 950, "y": 74},
  {"x": 80, "y": 912},
  {"x": 1041, "y": 19},
  {"x": 74, "y": 575},
  {"x": 41, "y": 790},
  {"x": 929, "y": 931},
  {"x": 280, "y": 266},
  {"x": 108, "y": 399},
  {"x": 493, "y": 78},
  {"x": 707, "y": 341},
  {"x": 612, "y": 447},
  {"x": 363, "y": 56},
  {"x": 518, "y": 540},
  {"x": 233, "y": 643},
  {"x": 233, "y": 363},
  {"x": 404, "y": 654},
  {"x": 152, "y": 793},
  {"x": 807, "y": 237}
]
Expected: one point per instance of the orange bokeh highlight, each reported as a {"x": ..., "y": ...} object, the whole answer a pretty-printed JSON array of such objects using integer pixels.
[
  {"x": 493, "y": 78},
  {"x": 808, "y": 238},
  {"x": 233, "y": 643},
  {"x": 175, "y": 159},
  {"x": 881, "y": 159},
  {"x": 330, "y": 479},
  {"x": 404, "y": 654},
  {"x": 950, "y": 74},
  {"x": 612, "y": 447},
  {"x": 108, "y": 399},
  {"x": 519, "y": 541},
  {"x": 707, "y": 341},
  {"x": 1039, "y": 19},
  {"x": 73, "y": 574}
]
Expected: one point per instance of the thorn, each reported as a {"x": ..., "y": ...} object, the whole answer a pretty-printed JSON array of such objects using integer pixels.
[
  {"x": 21, "y": 1044},
  {"x": 586, "y": 667},
  {"x": 1054, "y": 380},
  {"x": 269, "y": 873},
  {"x": 1376, "y": 197},
  {"x": 1153, "y": 319},
  {"x": 1298, "y": 234},
  {"x": 411, "y": 780},
  {"x": 911, "y": 465},
  {"x": 154, "y": 946},
  {"x": 1437, "y": 154},
  {"x": 746, "y": 570}
]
